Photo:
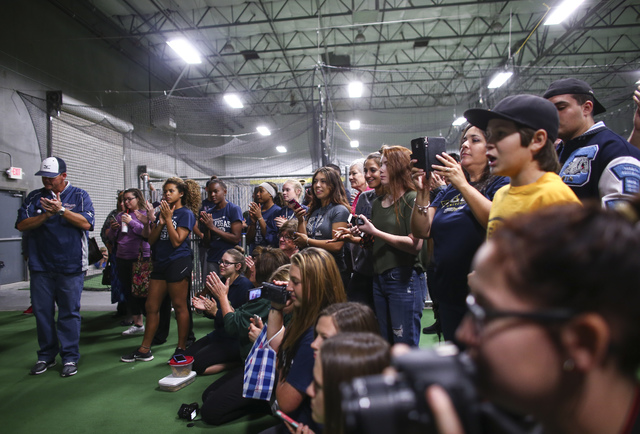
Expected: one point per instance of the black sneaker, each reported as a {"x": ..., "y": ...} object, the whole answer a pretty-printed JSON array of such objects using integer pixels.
[
  {"x": 69, "y": 369},
  {"x": 41, "y": 367},
  {"x": 137, "y": 356}
]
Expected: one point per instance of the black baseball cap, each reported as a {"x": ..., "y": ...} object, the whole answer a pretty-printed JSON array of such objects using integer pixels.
[
  {"x": 573, "y": 86},
  {"x": 526, "y": 110},
  {"x": 52, "y": 167}
]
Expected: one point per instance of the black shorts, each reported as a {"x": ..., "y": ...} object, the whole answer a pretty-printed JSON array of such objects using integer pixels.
[{"x": 174, "y": 271}]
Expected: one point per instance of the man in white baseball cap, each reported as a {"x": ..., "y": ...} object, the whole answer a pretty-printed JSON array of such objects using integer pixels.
[{"x": 57, "y": 218}]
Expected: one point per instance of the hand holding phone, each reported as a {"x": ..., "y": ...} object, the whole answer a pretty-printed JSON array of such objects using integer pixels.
[
  {"x": 294, "y": 203},
  {"x": 354, "y": 220},
  {"x": 424, "y": 151},
  {"x": 287, "y": 419}
]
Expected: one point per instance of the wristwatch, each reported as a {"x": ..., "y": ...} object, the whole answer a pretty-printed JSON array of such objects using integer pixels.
[{"x": 62, "y": 210}]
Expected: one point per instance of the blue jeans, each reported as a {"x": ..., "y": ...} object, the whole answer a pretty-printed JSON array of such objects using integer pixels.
[
  {"x": 398, "y": 296},
  {"x": 47, "y": 290}
]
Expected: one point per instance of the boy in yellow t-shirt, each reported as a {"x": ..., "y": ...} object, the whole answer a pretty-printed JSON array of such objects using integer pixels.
[{"x": 521, "y": 130}]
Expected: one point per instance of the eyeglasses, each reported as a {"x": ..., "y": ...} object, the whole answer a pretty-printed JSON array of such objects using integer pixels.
[
  {"x": 482, "y": 316},
  {"x": 129, "y": 199},
  {"x": 227, "y": 263},
  {"x": 286, "y": 237}
]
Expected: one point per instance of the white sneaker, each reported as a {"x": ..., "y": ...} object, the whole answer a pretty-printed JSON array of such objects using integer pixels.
[{"x": 133, "y": 330}]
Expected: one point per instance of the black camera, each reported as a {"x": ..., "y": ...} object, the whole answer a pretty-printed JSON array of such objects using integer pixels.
[
  {"x": 188, "y": 411},
  {"x": 354, "y": 220},
  {"x": 275, "y": 293},
  {"x": 396, "y": 404}
]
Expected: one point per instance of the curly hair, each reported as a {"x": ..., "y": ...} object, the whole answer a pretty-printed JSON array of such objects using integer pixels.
[{"x": 191, "y": 192}]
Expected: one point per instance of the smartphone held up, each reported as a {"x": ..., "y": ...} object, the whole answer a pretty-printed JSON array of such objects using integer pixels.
[{"x": 424, "y": 151}]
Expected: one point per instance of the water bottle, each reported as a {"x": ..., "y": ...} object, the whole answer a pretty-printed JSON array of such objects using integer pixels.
[{"x": 124, "y": 228}]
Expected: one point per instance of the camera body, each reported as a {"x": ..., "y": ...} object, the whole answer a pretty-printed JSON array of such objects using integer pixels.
[
  {"x": 188, "y": 411},
  {"x": 396, "y": 404},
  {"x": 425, "y": 149},
  {"x": 354, "y": 220},
  {"x": 275, "y": 293}
]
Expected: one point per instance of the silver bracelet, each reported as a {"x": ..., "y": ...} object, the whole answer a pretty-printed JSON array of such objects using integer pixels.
[{"x": 423, "y": 209}]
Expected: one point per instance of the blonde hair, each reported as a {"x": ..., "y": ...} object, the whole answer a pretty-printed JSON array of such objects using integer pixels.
[
  {"x": 296, "y": 187},
  {"x": 321, "y": 286}
]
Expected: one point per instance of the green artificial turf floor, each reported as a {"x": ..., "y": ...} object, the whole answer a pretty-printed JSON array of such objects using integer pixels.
[{"x": 106, "y": 396}]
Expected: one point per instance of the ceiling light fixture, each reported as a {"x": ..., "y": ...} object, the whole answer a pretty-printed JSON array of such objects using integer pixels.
[
  {"x": 499, "y": 79},
  {"x": 560, "y": 13},
  {"x": 281, "y": 149},
  {"x": 263, "y": 130},
  {"x": 233, "y": 100},
  {"x": 360, "y": 37},
  {"x": 228, "y": 48},
  {"x": 355, "y": 89},
  {"x": 354, "y": 124},
  {"x": 184, "y": 49},
  {"x": 459, "y": 121},
  {"x": 354, "y": 143}
]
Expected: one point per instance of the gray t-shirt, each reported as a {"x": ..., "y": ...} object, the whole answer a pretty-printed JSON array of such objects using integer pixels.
[{"x": 320, "y": 222}]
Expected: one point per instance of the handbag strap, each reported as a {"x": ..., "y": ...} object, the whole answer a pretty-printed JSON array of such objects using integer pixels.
[
  {"x": 274, "y": 336},
  {"x": 140, "y": 250}
]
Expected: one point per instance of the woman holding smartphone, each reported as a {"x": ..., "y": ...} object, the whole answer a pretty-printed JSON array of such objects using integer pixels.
[
  {"x": 291, "y": 191},
  {"x": 399, "y": 286},
  {"x": 328, "y": 211},
  {"x": 456, "y": 221},
  {"x": 172, "y": 262},
  {"x": 360, "y": 286}
]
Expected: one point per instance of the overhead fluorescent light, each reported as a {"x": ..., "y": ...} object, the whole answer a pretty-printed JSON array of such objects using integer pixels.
[
  {"x": 233, "y": 100},
  {"x": 561, "y": 12},
  {"x": 500, "y": 79},
  {"x": 459, "y": 121},
  {"x": 281, "y": 149},
  {"x": 184, "y": 49},
  {"x": 263, "y": 130},
  {"x": 354, "y": 143},
  {"x": 354, "y": 124},
  {"x": 355, "y": 89}
]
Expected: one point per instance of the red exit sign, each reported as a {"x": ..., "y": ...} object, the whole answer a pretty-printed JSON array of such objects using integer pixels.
[{"x": 14, "y": 173}]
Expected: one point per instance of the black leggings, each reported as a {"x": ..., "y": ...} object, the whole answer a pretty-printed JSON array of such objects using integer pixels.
[
  {"x": 213, "y": 350},
  {"x": 124, "y": 267},
  {"x": 222, "y": 402}
]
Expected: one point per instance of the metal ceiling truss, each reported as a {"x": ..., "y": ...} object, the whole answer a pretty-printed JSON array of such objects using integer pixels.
[{"x": 410, "y": 53}]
